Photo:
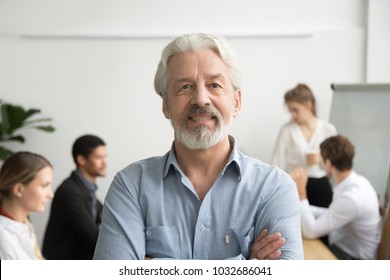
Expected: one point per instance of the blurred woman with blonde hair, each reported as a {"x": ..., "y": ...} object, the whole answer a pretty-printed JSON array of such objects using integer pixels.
[
  {"x": 25, "y": 187},
  {"x": 299, "y": 141}
]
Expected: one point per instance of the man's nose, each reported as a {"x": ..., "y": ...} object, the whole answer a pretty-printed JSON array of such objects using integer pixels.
[{"x": 201, "y": 96}]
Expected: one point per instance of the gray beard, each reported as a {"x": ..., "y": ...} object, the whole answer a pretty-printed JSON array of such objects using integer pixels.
[{"x": 202, "y": 138}]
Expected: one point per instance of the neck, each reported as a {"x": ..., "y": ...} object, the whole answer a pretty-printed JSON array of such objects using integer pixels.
[
  {"x": 202, "y": 167},
  {"x": 207, "y": 161},
  {"x": 87, "y": 176},
  {"x": 310, "y": 123},
  {"x": 16, "y": 211},
  {"x": 339, "y": 176}
]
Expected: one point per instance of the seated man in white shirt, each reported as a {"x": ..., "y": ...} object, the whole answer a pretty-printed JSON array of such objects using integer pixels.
[{"x": 352, "y": 220}]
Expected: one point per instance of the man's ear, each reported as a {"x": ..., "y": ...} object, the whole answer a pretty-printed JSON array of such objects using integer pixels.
[
  {"x": 165, "y": 109},
  {"x": 328, "y": 164},
  {"x": 81, "y": 160},
  {"x": 237, "y": 103}
]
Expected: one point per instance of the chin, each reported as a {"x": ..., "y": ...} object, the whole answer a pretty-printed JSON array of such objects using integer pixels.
[{"x": 39, "y": 210}]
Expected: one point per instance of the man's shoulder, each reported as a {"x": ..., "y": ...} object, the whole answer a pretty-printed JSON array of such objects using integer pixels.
[
  {"x": 69, "y": 184},
  {"x": 248, "y": 163},
  {"x": 358, "y": 186},
  {"x": 151, "y": 164},
  {"x": 69, "y": 181}
]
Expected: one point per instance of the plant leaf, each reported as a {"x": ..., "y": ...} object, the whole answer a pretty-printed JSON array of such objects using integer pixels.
[
  {"x": 13, "y": 117},
  {"x": 4, "y": 153},
  {"x": 18, "y": 138},
  {"x": 5, "y": 119},
  {"x": 47, "y": 128},
  {"x": 31, "y": 112}
]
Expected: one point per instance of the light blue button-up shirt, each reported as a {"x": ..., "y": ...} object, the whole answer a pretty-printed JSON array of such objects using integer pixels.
[{"x": 152, "y": 209}]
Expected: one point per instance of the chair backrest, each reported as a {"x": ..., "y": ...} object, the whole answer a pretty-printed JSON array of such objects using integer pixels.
[{"x": 385, "y": 238}]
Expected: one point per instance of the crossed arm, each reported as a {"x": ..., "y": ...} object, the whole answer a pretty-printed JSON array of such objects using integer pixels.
[{"x": 266, "y": 246}]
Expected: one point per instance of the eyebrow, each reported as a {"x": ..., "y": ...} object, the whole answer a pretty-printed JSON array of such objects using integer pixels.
[{"x": 185, "y": 79}]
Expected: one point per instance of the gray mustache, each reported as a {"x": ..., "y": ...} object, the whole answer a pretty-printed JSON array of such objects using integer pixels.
[{"x": 195, "y": 109}]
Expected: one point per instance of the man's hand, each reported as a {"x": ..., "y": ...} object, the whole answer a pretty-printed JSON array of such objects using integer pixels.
[
  {"x": 300, "y": 178},
  {"x": 266, "y": 247}
]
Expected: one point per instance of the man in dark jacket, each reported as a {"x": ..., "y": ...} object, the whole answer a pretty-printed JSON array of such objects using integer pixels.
[{"x": 75, "y": 215}]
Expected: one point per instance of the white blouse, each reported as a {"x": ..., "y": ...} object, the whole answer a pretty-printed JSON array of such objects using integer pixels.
[
  {"x": 352, "y": 220},
  {"x": 291, "y": 147},
  {"x": 17, "y": 240}
]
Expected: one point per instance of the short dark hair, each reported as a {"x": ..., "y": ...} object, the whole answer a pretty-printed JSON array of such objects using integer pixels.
[
  {"x": 339, "y": 150},
  {"x": 84, "y": 145}
]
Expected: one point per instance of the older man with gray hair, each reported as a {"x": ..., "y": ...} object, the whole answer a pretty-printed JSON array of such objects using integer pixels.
[{"x": 203, "y": 199}]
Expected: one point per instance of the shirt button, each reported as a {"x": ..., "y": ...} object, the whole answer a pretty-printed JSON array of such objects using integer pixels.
[
  {"x": 148, "y": 233},
  {"x": 248, "y": 239},
  {"x": 202, "y": 227}
]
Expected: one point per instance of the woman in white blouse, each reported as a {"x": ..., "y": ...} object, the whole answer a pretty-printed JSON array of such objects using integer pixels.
[
  {"x": 25, "y": 187},
  {"x": 299, "y": 140}
]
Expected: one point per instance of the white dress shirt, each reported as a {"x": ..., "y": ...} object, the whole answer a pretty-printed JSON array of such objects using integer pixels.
[
  {"x": 17, "y": 240},
  {"x": 291, "y": 147},
  {"x": 352, "y": 219}
]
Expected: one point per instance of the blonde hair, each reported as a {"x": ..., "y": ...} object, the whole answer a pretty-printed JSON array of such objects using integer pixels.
[
  {"x": 301, "y": 94},
  {"x": 20, "y": 167}
]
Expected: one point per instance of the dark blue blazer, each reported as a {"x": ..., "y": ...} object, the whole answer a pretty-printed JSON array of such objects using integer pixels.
[{"x": 71, "y": 232}]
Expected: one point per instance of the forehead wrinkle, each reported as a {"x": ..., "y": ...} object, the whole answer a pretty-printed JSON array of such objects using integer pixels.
[{"x": 215, "y": 76}]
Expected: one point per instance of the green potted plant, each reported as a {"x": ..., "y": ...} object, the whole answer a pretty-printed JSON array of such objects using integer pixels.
[{"x": 14, "y": 118}]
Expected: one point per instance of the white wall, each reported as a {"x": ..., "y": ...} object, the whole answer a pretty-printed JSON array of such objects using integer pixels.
[
  {"x": 90, "y": 65},
  {"x": 378, "y": 43}
]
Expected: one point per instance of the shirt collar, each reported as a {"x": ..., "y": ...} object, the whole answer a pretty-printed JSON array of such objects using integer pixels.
[
  {"x": 345, "y": 183},
  {"x": 16, "y": 227},
  {"x": 5, "y": 214},
  {"x": 234, "y": 158},
  {"x": 90, "y": 186}
]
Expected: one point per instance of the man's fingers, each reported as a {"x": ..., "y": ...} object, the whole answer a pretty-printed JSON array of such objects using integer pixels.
[
  {"x": 271, "y": 250},
  {"x": 262, "y": 235},
  {"x": 274, "y": 255},
  {"x": 263, "y": 242},
  {"x": 257, "y": 245},
  {"x": 267, "y": 247}
]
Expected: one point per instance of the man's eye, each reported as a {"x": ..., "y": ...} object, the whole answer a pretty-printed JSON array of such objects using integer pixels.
[
  {"x": 187, "y": 86},
  {"x": 215, "y": 85}
]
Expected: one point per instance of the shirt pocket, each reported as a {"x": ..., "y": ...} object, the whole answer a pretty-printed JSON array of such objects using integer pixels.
[
  {"x": 244, "y": 240},
  {"x": 163, "y": 242}
]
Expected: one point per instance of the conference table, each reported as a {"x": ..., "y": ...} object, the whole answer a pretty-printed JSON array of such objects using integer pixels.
[{"x": 314, "y": 249}]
